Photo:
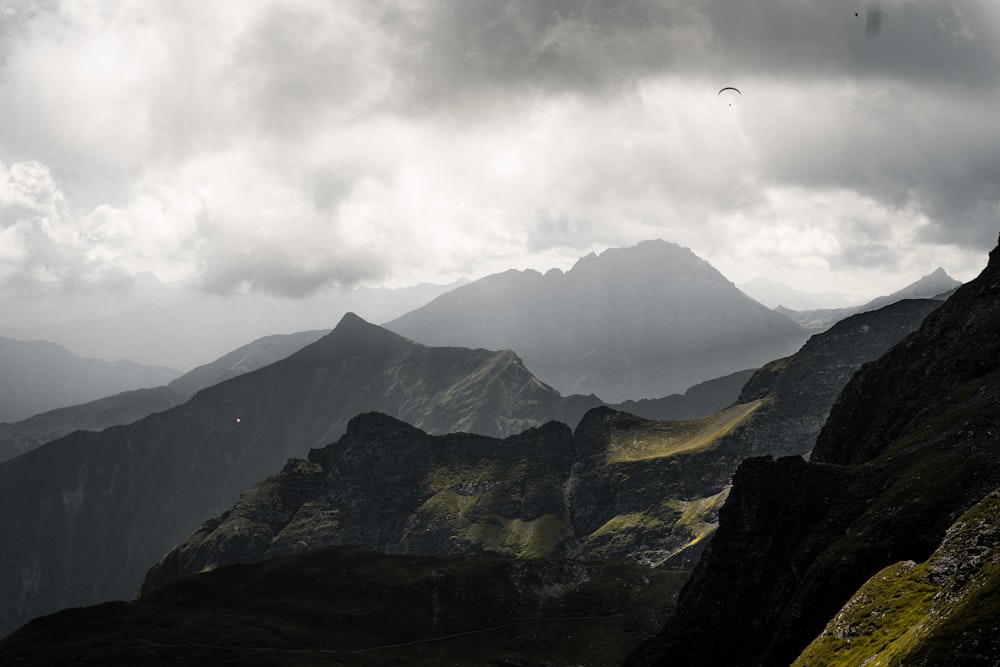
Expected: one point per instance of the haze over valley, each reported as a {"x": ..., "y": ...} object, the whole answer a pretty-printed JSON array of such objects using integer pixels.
[{"x": 499, "y": 332}]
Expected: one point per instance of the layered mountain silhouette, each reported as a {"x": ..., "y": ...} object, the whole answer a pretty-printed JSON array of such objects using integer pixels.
[
  {"x": 935, "y": 285},
  {"x": 618, "y": 488},
  {"x": 37, "y": 376},
  {"x": 883, "y": 548},
  {"x": 19, "y": 437},
  {"x": 86, "y": 515},
  {"x": 629, "y": 323},
  {"x": 184, "y": 332}
]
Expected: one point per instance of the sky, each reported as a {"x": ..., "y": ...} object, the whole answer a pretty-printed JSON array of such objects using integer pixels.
[{"x": 284, "y": 147}]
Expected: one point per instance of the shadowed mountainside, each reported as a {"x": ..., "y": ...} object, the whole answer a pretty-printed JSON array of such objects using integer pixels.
[
  {"x": 86, "y": 515},
  {"x": 346, "y": 605},
  {"x": 632, "y": 323},
  {"x": 910, "y": 445},
  {"x": 124, "y": 408},
  {"x": 619, "y": 487}
]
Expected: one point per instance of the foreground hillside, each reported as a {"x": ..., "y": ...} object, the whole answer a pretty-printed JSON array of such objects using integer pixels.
[
  {"x": 881, "y": 550},
  {"x": 631, "y": 323},
  {"x": 349, "y": 606}
]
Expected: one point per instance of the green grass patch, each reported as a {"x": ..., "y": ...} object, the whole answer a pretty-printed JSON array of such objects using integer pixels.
[{"x": 657, "y": 439}]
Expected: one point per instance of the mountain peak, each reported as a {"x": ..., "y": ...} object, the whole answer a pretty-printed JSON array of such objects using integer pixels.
[{"x": 353, "y": 327}]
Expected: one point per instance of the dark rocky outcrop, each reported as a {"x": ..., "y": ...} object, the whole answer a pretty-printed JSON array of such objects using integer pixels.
[
  {"x": 910, "y": 445},
  {"x": 802, "y": 389},
  {"x": 618, "y": 488},
  {"x": 942, "y": 611},
  {"x": 631, "y": 323}
]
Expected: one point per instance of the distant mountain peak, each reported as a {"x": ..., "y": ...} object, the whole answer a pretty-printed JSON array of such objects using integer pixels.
[{"x": 353, "y": 328}]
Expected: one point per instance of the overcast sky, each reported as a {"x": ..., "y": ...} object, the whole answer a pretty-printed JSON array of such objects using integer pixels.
[{"x": 283, "y": 146}]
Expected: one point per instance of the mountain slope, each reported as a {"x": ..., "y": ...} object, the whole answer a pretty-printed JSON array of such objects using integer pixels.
[
  {"x": 941, "y": 611},
  {"x": 936, "y": 285},
  {"x": 124, "y": 408},
  {"x": 346, "y": 605},
  {"x": 632, "y": 323},
  {"x": 20, "y": 437},
  {"x": 37, "y": 376},
  {"x": 909, "y": 446},
  {"x": 86, "y": 515},
  {"x": 618, "y": 487},
  {"x": 597, "y": 493}
]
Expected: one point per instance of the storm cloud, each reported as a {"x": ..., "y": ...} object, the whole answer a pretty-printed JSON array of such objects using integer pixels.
[{"x": 281, "y": 147}]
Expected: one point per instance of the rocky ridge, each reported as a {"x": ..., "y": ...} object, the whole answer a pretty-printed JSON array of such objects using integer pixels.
[
  {"x": 909, "y": 446},
  {"x": 617, "y": 488},
  {"x": 86, "y": 515}
]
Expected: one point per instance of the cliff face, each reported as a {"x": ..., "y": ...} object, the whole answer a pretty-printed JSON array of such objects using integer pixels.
[
  {"x": 910, "y": 445},
  {"x": 802, "y": 389},
  {"x": 618, "y": 488}
]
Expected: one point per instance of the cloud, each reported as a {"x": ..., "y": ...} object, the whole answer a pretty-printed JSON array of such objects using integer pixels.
[{"x": 281, "y": 147}]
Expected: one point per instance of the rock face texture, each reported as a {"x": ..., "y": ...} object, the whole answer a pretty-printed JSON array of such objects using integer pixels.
[
  {"x": 910, "y": 445},
  {"x": 618, "y": 488},
  {"x": 629, "y": 324},
  {"x": 86, "y": 515},
  {"x": 802, "y": 389},
  {"x": 942, "y": 611}
]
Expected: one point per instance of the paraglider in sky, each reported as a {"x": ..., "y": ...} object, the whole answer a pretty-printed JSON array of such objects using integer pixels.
[{"x": 723, "y": 90}]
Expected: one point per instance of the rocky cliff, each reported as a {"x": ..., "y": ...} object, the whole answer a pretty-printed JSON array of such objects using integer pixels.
[
  {"x": 618, "y": 488},
  {"x": 909, "y": 446}
]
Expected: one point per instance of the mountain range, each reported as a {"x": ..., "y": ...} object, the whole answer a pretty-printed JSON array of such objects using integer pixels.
[
  {"x": 88, "y": 513},
  {"x": 19, "y": 437},
  {"x": 137, "y": 490},
  {"x": 882, "y": 549},
  {"x": 183, "y": 331},
  {"x": 794, "y": 537},
  {"x": 935, "y": 285},
  {"x": 630, "y": 323},
  {"x": 37, "y": 376}
]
